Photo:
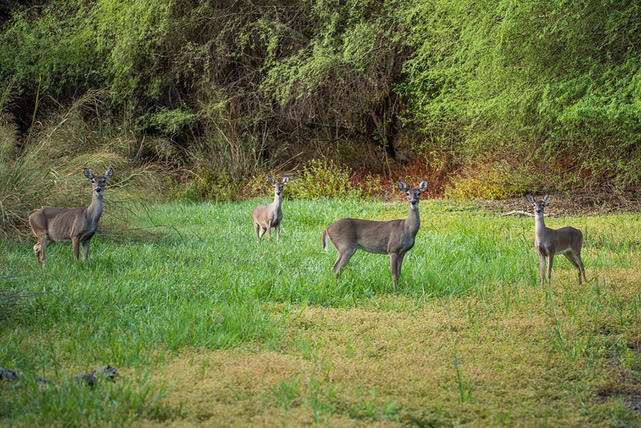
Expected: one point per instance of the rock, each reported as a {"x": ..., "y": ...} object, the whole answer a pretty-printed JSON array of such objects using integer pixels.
[{"x": 6, "y": 374}]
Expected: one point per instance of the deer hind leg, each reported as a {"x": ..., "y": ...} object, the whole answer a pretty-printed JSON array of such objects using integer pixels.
[
  {"x": 75, "y": 243},
  {"x": 257, "y": 231},
  {"x": 261, "y": 231},
  {"x": 572, "y": 260},
  {"x": 342, "y": 260},
  {"x": 579, "y": 264},
  {"x": 85, "y": 250},
  {"x": 40, "y": 249}
]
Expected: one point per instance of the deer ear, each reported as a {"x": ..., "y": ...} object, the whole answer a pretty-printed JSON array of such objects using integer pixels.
[
  {"x": 529, "y": 198},
  {"x": 109, "y": 172},
  {"x": 547, "y": 199},
  {"x": 422, "y": 186},
  {"x": 88, "y": 173},
  {"x": 285, "y": 179},
  {"x": 402, "y": 186},
  {"x": 270, "y": 180}
]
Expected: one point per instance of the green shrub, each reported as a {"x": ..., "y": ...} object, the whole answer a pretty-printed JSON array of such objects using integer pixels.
[
  {"x": 208, "y": 184},
  {"x": 323, "y": 179}
]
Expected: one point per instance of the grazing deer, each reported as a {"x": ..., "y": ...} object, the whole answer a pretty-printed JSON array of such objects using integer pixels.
[
  {"x": 268, "y": 217},
  {"x": 549, "y": 242},
  {"x": 394, "y": 237},
  {"x": 75, "y": 224}
]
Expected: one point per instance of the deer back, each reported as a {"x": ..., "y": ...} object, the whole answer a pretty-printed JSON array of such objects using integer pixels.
[{"x": 561, "y": 240}]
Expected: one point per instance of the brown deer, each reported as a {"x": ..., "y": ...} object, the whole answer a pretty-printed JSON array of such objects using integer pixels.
[
  {"x": 549, "y": 242},
  {"x": 75, "y": 224},
  {"x": 394, "y": 237},
  {"x": 268, "y": 217}
]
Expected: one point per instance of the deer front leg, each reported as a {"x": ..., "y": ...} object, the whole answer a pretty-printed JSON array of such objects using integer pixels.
[
  {"x": 399, "y": 262},
  {"x": 85, "y": 250},
  {"x": 542, "y": 269},
  {"x": 393, "y": 262},
  {"x": 75, "y": 243},
  {"x": 550, "y": 260},
  {"x": 277, "y": 233}
]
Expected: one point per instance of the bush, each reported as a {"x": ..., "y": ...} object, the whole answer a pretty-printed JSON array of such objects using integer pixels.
[
  {"x": 492, "y": 181},
  {"x": 323, "y": 179}
]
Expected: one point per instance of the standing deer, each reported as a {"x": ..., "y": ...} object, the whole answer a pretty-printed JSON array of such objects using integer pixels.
[
  {"x": 394, "y": 237},
  {"x": 75, "y": 224},
  {"x": 549, "y": 242},
  {"x": 268, "y": 217}
]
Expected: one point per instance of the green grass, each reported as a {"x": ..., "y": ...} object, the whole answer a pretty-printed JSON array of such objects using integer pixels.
[{"x": 201, "y": 283}]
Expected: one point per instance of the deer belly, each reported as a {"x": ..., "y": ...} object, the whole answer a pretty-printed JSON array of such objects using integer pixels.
[
  {"x": 374, "y": 244},
  {"x": 59, "y": 230}
]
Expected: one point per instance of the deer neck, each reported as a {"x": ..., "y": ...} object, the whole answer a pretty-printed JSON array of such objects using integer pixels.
[
  {"x": 413, "y": 221},
  {"x": 94, "y": 210},
  {"x": 539, "y": 224},
  {"x": 278, "y": 200}
]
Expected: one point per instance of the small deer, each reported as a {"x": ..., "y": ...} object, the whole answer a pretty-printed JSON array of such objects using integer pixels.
[
  {"x": 394, "y": 237},
  {"x": 75, "y": 224},
  {"x": 268, "y": 217},
  {"x": 549, "y": 242}
]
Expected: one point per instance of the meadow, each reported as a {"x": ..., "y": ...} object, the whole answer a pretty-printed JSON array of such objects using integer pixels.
[{"x": 207, "y": 326}]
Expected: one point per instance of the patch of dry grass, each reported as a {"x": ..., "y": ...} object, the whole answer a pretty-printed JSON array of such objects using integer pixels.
[{"x": 447, "y": 362}]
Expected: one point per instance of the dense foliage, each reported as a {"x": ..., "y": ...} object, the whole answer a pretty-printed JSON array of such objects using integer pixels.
[{"x": 533, "y": 94}]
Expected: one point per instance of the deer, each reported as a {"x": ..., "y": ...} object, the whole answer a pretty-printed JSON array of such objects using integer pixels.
[
  {"x": 550, "y": 242},
  {"x": 75, "y": 224},
  {"x": 394, "y": 237},
  {"x": 268, "y": 217}
]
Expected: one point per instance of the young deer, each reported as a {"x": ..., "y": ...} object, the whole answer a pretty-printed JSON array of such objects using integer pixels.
[
  {"x": 394, "y": 237},
  {"x": 268, "y": 217},
  {"x": 75, "y": 224},
  {"x": 549, "y": 242}
]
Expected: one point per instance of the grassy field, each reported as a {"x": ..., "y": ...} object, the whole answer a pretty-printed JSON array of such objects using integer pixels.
[{"x": 205, "y": 325}]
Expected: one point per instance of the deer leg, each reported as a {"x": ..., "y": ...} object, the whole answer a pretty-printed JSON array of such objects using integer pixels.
[
  {"x": 270, "y": 232},
  {"x": 399, "y": 263},
  {"x": 261, "y": 233},
  {"x": 257, "y": 231},
  {"x": 277, "y": 233},
  {"x": 550, "y": 261},
  {"x": 343, "y": 258},
  {"x": 40, "y": 248},
  {"x": 571, "y": 258},
  {"x": 75, "y": 243},
  {"x": 579, "y": 261},
  {"x": 393, "y": 262},
  {"x": 37, "y": 251},
  {"x": 542, "y": 269},
  {"x": 85, "y": 250}
]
